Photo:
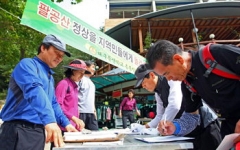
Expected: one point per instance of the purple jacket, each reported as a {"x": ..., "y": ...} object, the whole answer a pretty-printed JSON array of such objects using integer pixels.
[
  {"x": 128, "y": 104},
  {"x": 67, "y": 97}
]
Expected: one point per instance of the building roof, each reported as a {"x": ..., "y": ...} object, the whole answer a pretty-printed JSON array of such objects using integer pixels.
[{"x": 219, "y": 18}]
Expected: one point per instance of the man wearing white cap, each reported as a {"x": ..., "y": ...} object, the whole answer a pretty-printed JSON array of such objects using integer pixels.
[{"x": 31, "y": 106}]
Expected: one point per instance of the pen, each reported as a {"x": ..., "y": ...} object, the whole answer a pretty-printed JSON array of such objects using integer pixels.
[
  {"x": 165, "y": 119},
  {"x": 164, "y": 123}
]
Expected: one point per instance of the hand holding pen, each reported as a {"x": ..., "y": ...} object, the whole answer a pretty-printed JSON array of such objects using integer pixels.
[{"x": 166, "y": 127}]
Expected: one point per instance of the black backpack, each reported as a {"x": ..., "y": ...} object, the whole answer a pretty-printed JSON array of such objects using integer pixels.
[{"x": 212, "y": 66}]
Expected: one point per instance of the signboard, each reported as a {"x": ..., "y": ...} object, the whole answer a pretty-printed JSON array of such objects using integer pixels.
[
  {"x": 117, "y": 93},
  {"x": 48, "y": 18}
]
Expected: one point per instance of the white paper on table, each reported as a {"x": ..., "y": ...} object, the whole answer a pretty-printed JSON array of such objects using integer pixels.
[
  {"x": 163, "y": 139},
  {"x": 102, "y": 132},
  {"x": 95, "y": 136},
  {"x": 227, "y": 142},
  {"x": 103, "y": 143}
]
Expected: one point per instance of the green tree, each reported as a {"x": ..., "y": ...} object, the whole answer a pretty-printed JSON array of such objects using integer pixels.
[
  {"x": 161, "y": 7},
  {"x": 72, "y": 1},
  {"x": 147, "y": 41},
  {"x": 16, "y": 41}
]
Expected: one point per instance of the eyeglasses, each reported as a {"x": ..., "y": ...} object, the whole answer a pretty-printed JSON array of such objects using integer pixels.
[{"x": 59, "y": 54}]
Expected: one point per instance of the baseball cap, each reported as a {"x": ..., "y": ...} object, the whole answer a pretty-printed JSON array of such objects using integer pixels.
[
  {"x": 57, "y": 43},
  {"x": 141, "y": 72},
  {"x": 89, "y": 63},
  {"x": 78, "y": 64}
]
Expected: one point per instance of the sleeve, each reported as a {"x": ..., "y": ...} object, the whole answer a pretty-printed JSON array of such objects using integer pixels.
[
  {"x": 32, "y": 87},
  {"x": 123, "y": 103},
  {"x": 61, "y": 93},
  {"x": 135, "y": 105},
  {"x": 174, "y": 100},
  {"x": 62, "y": 120},
  {"x": 160, "y": 110},
  {"x": 187, "y": 123}
]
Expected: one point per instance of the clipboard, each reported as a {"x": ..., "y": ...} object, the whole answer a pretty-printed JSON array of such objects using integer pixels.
[{"x": 161, "y": 139}]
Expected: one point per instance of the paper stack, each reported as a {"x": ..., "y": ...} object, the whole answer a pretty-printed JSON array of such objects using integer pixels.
[{"x": 96, "y": 136}]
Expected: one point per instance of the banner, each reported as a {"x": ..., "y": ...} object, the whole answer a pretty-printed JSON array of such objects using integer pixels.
[{"x": 48, "y": 18}]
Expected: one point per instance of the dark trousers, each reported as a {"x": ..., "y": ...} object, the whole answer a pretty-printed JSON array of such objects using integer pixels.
[
  {"x": 22, "y": 135},
  {"x": 228, "y": 126},
  {"x": 127, "y": 114},
  {"x": 207, "y": 138},
  {"x": 89, "y": 120}
]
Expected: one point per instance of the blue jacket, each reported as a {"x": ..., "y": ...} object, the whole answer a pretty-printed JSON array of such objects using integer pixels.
[{"x": 31, "y": 95}]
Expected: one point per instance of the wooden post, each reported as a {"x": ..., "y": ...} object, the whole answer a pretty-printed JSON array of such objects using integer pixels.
[
  {"x": 182, "y": 46},
  {"x": 140, "y": 39}
]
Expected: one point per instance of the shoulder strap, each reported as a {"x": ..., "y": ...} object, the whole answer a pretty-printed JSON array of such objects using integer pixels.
[
  {"x": 189, "y": 86},
  {"x": 212, "y": 65}
]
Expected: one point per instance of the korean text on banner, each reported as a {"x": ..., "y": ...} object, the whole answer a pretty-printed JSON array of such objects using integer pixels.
[{"x": 48, "y": 18}]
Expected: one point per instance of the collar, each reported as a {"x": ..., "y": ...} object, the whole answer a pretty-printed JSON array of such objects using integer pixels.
[
  {"x": 44, "y": 65},
  {"x": 157, "y": 90},
  {"x": 72, "y": 82}
]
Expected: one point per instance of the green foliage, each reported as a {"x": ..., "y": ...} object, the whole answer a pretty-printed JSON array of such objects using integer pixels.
[
  {"x": 16, "y": 41},
  {"x": 147, "y": 41},
  {"x": 72, "y": 1},
  {"x": 102, "y": 28},
  {"x": 161, "y": 7}
]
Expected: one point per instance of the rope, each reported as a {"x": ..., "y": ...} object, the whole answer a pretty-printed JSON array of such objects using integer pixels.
[{"x": 10, "y": 13}]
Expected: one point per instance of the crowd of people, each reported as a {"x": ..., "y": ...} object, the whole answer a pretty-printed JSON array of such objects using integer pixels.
[{"x": 184, "y": 94}]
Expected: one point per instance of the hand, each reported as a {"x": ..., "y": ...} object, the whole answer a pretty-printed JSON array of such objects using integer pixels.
[
  {"x": 166, "y": 127},
  {"x": 136, "y": 127},
  {"x": 237, "y": 130},
  {"x": 79, "y": 123},
  {"x": 54, "y": 134},
  {"x": 138, "y": 113},
  {"x": 71, "y": 128},
  {"x": 120, "y": 115},
  {"x": 95, "y": 114},
  {"x": 149, "y": 131}
]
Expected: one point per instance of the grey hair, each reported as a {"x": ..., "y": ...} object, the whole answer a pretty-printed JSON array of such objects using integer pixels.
[{"x": 162, "y": 51}]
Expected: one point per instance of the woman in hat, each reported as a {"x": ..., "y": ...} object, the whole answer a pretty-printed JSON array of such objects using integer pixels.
[{"x": 67, "y": 92}]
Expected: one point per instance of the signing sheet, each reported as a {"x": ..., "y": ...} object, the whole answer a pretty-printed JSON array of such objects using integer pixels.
[{"x": 163, "y": 139}]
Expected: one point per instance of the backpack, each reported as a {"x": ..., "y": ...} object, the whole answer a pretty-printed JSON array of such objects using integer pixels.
[{"x": 212, "y": 66}]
